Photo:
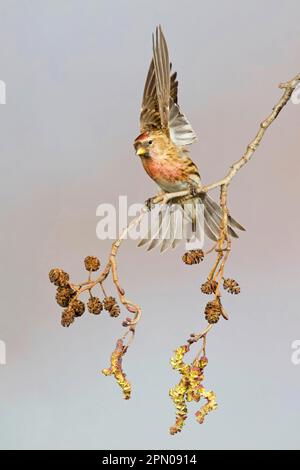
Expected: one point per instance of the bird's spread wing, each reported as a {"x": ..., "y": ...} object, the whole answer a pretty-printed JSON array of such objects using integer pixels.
[{"x": 160, "y": 108}]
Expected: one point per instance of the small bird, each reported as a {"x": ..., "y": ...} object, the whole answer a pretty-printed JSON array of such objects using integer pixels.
[{"x": 162, "y": 144}]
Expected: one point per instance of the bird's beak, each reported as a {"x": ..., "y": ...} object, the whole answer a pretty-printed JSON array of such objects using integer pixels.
[{"x": 141, "y": 151}]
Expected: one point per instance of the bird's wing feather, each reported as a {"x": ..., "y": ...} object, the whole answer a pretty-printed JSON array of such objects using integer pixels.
[
  {"x": 181, "y": 132},
  {"x": 150, "y": 117},
  {"x": 162, "y": 75},
  {"x": 160, "y": 108}
]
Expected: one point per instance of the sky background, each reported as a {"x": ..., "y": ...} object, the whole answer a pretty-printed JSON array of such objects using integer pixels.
[{"x": 75, "y": 72}]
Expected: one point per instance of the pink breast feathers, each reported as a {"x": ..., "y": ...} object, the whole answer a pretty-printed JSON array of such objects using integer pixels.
[{"x": 163, "y": 169}]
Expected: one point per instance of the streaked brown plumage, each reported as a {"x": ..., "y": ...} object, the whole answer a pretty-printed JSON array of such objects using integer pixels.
[{"x": 162, "y": 144}]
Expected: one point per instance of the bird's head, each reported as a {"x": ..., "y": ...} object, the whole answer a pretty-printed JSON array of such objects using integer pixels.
[{"x": 143, "y": 144}]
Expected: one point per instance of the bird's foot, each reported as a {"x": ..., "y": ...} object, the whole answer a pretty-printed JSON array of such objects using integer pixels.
[
  {"x": 194, "y": 190},
  {"x": 150, "y": 203}
]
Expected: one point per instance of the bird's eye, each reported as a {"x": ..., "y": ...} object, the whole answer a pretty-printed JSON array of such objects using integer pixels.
[{"x": 150, "y": 142}]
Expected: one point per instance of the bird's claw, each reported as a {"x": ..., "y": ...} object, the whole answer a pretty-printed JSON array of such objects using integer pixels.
[
  {"x": 194, "y": 191},
  {"x": 150, "y": 203},
  {"x": 158, "y": 199}
]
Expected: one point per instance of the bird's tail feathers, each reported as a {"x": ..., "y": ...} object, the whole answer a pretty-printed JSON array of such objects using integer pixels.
[{"x": 189, "y": 221}]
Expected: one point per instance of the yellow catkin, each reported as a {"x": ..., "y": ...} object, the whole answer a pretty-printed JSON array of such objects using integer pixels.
[
  {"x": 178, "y": 396},
  {"x": 190, "y": 388},
  {"x": 115, "y": 369},
  {"x": 210, "y": 405},
  {"x": 177, "y": 360},
  {"x": 196, "y": 376}
]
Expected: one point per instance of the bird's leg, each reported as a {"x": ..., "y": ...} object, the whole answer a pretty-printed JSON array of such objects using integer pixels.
[{"x": 150, "y": 203}]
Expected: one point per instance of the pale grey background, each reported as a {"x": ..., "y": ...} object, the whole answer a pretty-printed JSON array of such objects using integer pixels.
[{"x": 74, "y": 72}]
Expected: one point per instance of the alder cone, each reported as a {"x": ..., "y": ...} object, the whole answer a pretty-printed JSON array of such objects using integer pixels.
[{"x": 193, "y": 257}]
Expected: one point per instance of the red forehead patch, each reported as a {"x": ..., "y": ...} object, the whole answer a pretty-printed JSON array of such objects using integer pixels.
[{"x": 142, "y": 137}]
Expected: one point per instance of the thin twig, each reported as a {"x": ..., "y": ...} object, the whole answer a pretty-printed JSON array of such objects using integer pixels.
[{"x": 223, "y": 245}]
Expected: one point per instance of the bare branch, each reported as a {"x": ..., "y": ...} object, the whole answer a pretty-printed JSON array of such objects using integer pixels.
[{"x": 68, "y": 293}]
